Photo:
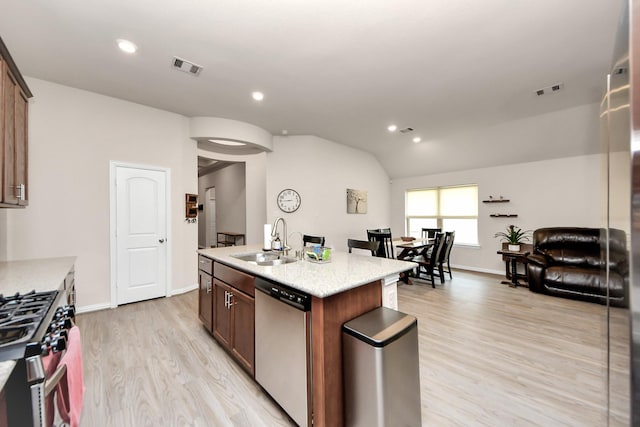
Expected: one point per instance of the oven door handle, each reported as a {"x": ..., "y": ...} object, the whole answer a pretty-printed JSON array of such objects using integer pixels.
[{"x": 54, "y": 379}]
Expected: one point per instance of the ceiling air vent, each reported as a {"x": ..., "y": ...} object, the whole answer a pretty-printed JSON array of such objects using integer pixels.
[
  {"x": 550, "y": 89},
  {"x": 186, "y": 66},
  {"x": 406, "y": 130}
]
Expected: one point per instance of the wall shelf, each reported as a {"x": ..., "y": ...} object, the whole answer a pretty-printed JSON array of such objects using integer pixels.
[
  {"x": 503, "y": 215},
  {"x": 496, "y": 201}
]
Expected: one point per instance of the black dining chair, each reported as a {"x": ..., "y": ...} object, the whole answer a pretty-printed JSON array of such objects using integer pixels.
[
  {"x": 363, "y": 244},
  {"x": 315, "y": 240},
  {"x": 385, "y": 248},
  {"x": 449, "y": 237},
  {"x": 430, "y": 233},
  {"x": 429, "y": 261}
]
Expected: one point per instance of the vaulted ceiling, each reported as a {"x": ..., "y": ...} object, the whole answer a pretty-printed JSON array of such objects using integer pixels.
[{"x": 341, "y": 70}]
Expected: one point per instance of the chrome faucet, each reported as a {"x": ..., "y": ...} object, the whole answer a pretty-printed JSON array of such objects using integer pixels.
[{"x": 285, "y": 246}]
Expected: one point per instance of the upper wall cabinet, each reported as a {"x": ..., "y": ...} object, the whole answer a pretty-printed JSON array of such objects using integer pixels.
[{"x": 14, "y": 111}]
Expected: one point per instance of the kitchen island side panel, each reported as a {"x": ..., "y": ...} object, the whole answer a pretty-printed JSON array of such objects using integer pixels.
[{"x": 327, "y": 317}]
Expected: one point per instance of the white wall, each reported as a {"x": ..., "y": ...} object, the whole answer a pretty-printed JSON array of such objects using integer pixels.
[
  {"x": 559, "y": 192},
  {"x": 321, "y": 171},
  {"x": 74, "y": 135},
  {"x": 231, "y": 205}
]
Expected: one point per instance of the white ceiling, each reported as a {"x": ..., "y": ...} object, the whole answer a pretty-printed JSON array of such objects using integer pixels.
[{"x": 341, "y": 70}]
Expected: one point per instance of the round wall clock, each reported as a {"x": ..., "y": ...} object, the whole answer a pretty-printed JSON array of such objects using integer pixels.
[{"x": 289, "y": 200}]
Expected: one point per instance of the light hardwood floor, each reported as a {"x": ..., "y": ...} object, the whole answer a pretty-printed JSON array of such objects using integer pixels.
[{"x": 490, "y": 355}]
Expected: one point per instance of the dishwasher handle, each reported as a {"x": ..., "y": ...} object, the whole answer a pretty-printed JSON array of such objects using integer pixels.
[{"x": 285, "y": 294}]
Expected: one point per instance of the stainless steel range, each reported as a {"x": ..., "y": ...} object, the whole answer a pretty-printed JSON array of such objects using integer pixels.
[{"x": 31, "y": 326}]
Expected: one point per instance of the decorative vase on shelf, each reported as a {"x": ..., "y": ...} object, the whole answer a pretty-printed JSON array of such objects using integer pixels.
[{"x": 514, "y": 248}]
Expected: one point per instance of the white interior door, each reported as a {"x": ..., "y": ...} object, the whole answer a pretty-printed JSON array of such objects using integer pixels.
[
  {"x": 141, "y": 234},
  {"x": 210, "y": 217}
]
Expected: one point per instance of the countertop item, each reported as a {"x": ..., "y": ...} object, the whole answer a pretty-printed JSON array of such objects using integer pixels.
[
  {"x": 345, "y": 271},
  {"x": 45, "y": 274}
]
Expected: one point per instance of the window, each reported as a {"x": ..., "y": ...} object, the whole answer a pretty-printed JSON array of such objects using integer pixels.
[{"x": 449, "y": 208}]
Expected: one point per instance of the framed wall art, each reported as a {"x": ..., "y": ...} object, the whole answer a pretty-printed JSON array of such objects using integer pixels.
[{"x": 356, "y": 201}]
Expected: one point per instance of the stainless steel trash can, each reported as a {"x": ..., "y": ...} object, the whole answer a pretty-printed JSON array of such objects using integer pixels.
[{"x": 381, "y": 369}]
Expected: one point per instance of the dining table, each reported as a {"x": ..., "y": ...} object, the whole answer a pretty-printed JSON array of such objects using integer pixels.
[{"x": 409, "y": 249}]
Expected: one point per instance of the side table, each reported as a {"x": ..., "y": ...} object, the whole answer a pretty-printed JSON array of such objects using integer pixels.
[{"x": 513, "y": 257}]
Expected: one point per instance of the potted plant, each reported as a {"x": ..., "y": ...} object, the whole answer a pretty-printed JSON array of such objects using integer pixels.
[{"x": 514, "y": 236}]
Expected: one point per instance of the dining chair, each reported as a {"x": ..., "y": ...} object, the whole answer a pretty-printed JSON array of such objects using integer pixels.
[
  {"x": 429, "y": 261},
  {"x": 449, "y": 236},
  {"x": 316, "y": 240},
  {"x": 385, "y": 248},
  {"x": 363, "y": 244},
  {"x": 430, "y": 233}
]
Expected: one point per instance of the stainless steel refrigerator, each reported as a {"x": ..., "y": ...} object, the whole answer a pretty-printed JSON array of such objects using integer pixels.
[{"x": 620, "y": 137}]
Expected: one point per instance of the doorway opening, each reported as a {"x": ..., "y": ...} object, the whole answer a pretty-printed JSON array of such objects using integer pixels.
[{"x": 222, "y": 196}]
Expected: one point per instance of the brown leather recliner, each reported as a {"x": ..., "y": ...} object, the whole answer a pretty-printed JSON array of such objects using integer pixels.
[{"x": 570, "y": 262}]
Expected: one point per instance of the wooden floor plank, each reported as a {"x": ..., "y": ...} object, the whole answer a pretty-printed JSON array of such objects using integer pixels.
[{"x": 490, "y": 355}]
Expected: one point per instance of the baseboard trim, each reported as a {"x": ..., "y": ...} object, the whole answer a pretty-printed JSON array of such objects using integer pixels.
[
  {"x": 184, "y": 290},
  {"x": 479, "y": 270},
  {"x": 97, "y": 307},
  {"x": 94, "y": 307}
]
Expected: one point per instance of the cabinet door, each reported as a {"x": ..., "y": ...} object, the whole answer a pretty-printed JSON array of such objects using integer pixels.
[
  {"x": 20, "y": 147},
  {"x": 14, "y": 139},
  {"x": 221, "y": 313},
  {"x": 205, "y": 300},
  {"x": 242, "y": 329},
  {"x": 9, "y": 85}
]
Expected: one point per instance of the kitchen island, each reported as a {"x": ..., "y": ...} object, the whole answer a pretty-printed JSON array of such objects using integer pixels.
[{"x": 340, "y": 290}]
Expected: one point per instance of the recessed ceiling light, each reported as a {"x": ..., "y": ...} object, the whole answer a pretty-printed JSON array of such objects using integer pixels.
[
  {"x": 417, "y": 139},
  {"x": 225, "y": 142},
  {"x": 127, "y": 46},
  {"x": 392, "y": 128},
  {"x": 258, "y": 96}
]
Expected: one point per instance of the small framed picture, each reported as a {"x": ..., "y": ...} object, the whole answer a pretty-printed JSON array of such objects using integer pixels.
[{"x": 356, "y": 201}]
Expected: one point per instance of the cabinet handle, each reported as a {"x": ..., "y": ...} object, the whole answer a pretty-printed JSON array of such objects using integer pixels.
[
  {"x": 227, "y": 299},
  {"x": 19, "y": 192},
  {"x": 208, "y": 286}
]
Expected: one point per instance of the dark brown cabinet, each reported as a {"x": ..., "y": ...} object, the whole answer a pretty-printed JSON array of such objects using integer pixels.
[
  {"x": 14, "y": 110},
  {"x": 222, "y": 316},
  {"x": 205, "y": 301},
  {"x": 234, "y": 314},
  {"x": 205, "y": 292},
  {"x": 243, "y": 329}
]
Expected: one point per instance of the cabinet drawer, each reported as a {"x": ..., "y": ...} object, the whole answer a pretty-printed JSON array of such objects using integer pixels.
[
  {"x": 239, "y": 280},
  {"x": 205, "y": 264}
]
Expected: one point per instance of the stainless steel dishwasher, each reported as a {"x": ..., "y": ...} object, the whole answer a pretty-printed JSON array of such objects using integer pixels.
[{"x": 283, "y": 347}]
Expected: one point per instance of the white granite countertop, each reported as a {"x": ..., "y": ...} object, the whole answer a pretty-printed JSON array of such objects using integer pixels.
[
  {"x": 345, "y": 271},
  {"x": 45, "y": 274}
]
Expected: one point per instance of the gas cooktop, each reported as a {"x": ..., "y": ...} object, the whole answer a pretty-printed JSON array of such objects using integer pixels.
[{"x": 21, "y": 315}]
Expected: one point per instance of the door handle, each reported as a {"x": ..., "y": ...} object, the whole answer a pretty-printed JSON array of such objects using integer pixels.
[{"x": 161, "y": 240}]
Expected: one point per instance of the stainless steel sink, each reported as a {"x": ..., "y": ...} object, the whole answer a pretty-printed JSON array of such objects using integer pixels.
[{"x": 265, "y": 258}]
